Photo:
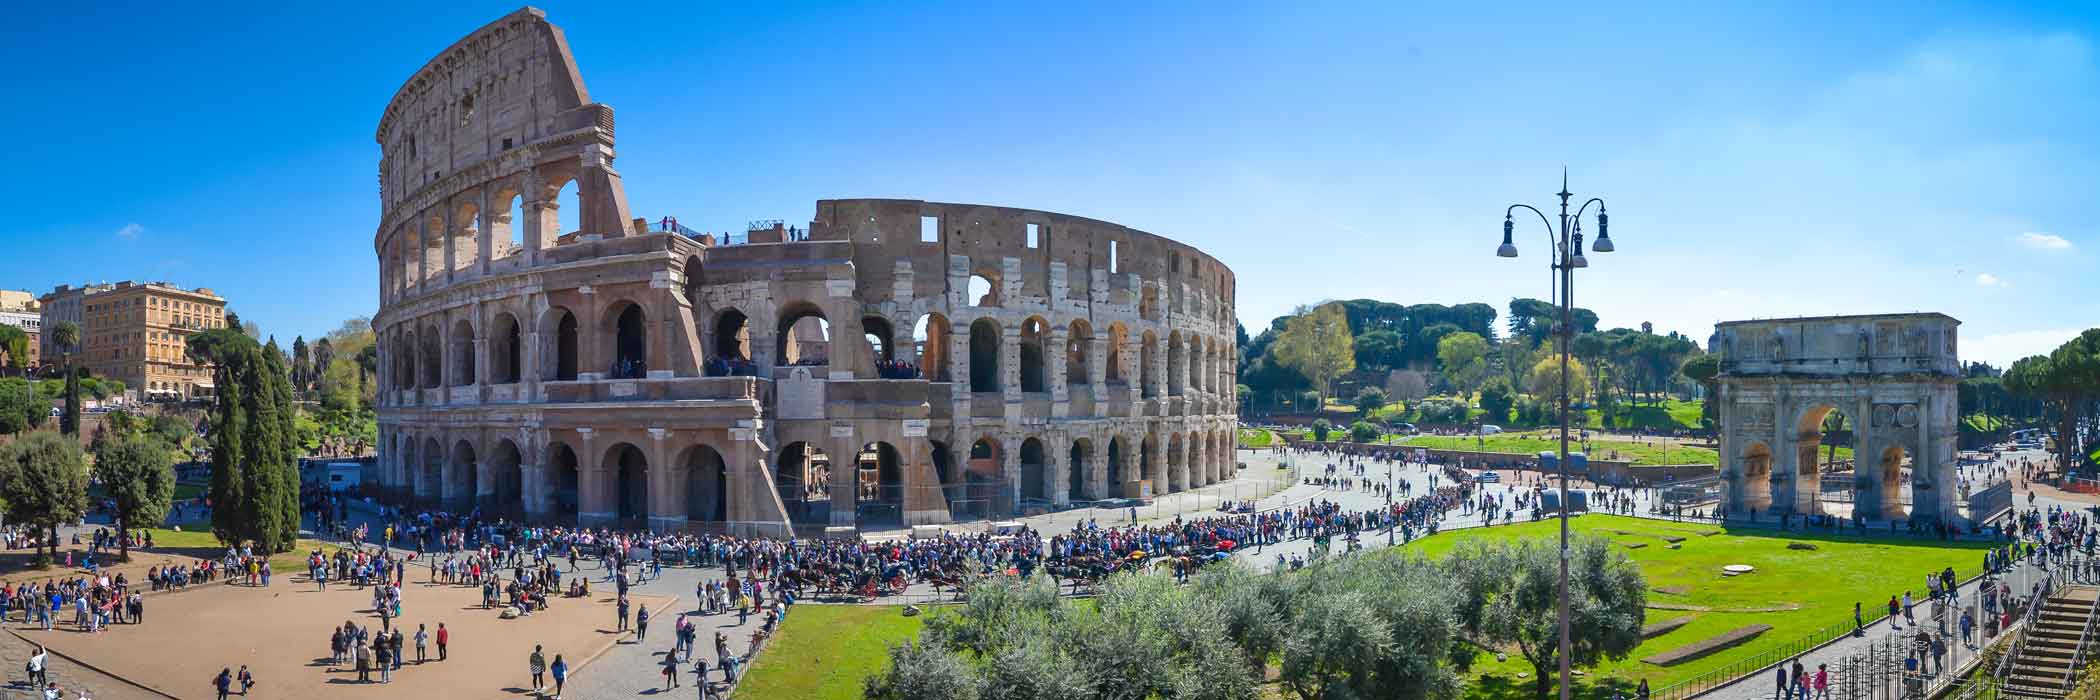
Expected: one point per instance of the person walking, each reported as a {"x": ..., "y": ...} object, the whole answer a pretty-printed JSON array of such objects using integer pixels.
[
  {"x": 537, "y": 663},
  {"x": 384, "y": 653},
  {"x": 245, "y": 679},
  {"x": 560, "y": 669},
  {"x": 1779, "y": 693},
  {"x": 641, "y": 624},
  {"x": 670, "y": 664},
  {"x": 1822, "y": 682},
  {"x": 223, "y": 683},
  {"x": 39, "y": 667}
]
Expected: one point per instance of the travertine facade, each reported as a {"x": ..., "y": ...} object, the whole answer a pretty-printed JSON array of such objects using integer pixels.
[
  {"x": 1892, "y": 376},
  {"x": 65, "y": 304},
  {"x": 618, "y": 374}
]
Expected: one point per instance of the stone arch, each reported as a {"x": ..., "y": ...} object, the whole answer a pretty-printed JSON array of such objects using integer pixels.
[
  {"x": 706, "y": 484},
  {"x": 461, "y": 342},
  {"x": 985, "y": 478},
  {"x": 1151, "y": 462},
  {"x": 461, "y": 477},
  {"x": 881, "y": 339},
  {"x": 983, "y": 287},
  {"x": 563, "y": 486},
  {"x": 802, "y": 342},
  {"x": 695, "y": 274},
  {"x": 732, "y": 336},
  {"x": 1079, "y": 341},
  {"x": 1035, "y": 465},
  {"x": 464, "y": 238},
  {"x": 1148, "y": 302},
  {"x": 430, "y": 360},
  {"x": 506, "y": 232},
  {"x": 878, "y": 480},
  {"x": 1177, "y": 363},
  {"x": 626, "y": 339},
  {"x": 558, "y": 345},
  {"x": 1119, "y": 471},
  {"x": 1034, "y": 333},
  {"x": 802, "y": 477},
  {"x": 1118, "y": 335},
  {"x": 930, "y": 334},
  {"x": 627, "y": 467},
  {"x": 1821, "y": 425},
  {"x": 1148, "y": 378},
  {"x": 506, "y": 482},
  {"x": 984, "y": 355},
  {"x": 405, "y": 350},
  {"x": 430, "y": 475},
  {"x": 506, "y": 350}
]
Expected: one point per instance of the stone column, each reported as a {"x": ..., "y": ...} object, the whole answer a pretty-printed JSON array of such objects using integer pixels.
[
  {"x": 595, "y": 491},
  {"x": 1010, "y": 362},
  {"x": 1010, "y": 470},
  {"x": 1097, "y": 370},
  {"x": 591, "y": 363},
  {"x": 844, "y": 481},
  {"x": 485, "y": 240},
  {"x": 450, "y": 236},
  {"x": 538, "y": 214},
  {"x": 666, "y": 485},
  {"x": 1057, "y": 469},
  {"x": 536, "y": 474},
  {"x": 1054, "y": 366},
  {"x": 1156, "y": 467},
  {"x": 484, "y": 475},
  {"x": 1097, "y": 485}
]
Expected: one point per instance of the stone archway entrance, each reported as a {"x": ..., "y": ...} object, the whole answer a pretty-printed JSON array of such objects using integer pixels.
[{"x": 1793, "y": 394}]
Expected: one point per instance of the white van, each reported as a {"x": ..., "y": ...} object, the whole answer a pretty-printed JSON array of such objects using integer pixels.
[{"x": 1491, "y": 430}]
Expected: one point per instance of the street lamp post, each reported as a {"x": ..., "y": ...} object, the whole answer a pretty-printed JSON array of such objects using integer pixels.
[{"x": 1567, "y": 256}]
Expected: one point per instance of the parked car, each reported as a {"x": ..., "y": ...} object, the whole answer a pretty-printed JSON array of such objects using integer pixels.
[{"x": 1491, "y": 430}]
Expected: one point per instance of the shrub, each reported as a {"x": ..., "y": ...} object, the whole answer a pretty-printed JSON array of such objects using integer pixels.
[
  {"x": 1363, "y": 431},
  {"x": 1320, "y": 427},
  {"x": 1442, "y": 410}
]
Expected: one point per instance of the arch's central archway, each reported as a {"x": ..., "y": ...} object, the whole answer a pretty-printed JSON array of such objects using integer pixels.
[{"x": 1848, "y": 416}]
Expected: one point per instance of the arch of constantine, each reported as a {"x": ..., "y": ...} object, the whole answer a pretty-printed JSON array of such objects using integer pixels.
[
  {"x": 1893, "y": 379},
  {"x": 896, "y": 362}
]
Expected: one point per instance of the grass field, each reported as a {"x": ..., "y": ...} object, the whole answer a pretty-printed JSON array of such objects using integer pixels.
[
  {"x": 1812, "y": 589},
  {"x": 1256, "y": 438},
  {"x": 201, "y": 544},
  {"x": 824, "y": 651},
  {"x": 1671, "y": 415},
  {"x": 1542, "y": 441}
]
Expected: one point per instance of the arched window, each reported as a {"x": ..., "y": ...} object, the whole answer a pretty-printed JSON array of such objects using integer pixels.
[
  {"x": 630, "y": 343},
  {"x": 930, "y": 335},
  {"x": 732, "y": 345},
  {"x": 1177, "y": 363},
  {"x": 803, "y": 337},
  {"x": 984, "y": 355},
  {"x": 462, "y": 353},
  {"x": 1148, "y": 378},
  {"x": 504, "y": 351},
  {"x": 983, "y": 291},
  {"x": 433, "y": 375},
  {"x": 1032, "y": 359},
  {"x": 558, "y": 345},
  {"x": 1117, "y": 336},
  {"x": 1079, "y": 341}
]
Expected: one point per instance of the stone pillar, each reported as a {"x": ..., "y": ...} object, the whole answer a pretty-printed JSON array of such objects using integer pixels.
[
  {"x": 485, "y": 238},
  {"x": 484, "y": 476},
  {"x": 1097, "y": 371},
  {"x": 1867, "y": 443},
  {"x": 1054, "y": 367},
  {"x": 539, "y": 215},
  {"x": 1010, "y": 362},
  {"x": 662, "y": 321},
  {"x": 595, "y": 490},
  {"x": 1097, "y": 486},
  {"x": 450, "y": 240},
  {"x": 1156, "y": 466},
  {"x": 844, "y": 482},
  {"x": 537, "y": 474},
  {"x": 1057, "y": 469},
  {"x": 1010, "y": 475},
  {"x": 666, "y": 485},
  {"x": 591, "y": 363}
]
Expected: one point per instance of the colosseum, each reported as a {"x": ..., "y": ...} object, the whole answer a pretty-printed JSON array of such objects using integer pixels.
[{"x": 894, "y": 362}]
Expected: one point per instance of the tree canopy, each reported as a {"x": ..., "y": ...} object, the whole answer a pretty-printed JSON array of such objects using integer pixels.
[
  {"x": 43, "y": 481},
  {"x": 254, "y": 481},
  {"x": 1318, "y": 345},
  {"x": 138, "y": 475}
]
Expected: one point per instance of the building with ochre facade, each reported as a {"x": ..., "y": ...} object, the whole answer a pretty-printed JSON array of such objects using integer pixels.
[{"x": 896, "y": 362}]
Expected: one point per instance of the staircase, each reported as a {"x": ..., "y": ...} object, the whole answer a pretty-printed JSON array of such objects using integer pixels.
[{"x": 2052, "y": 644}]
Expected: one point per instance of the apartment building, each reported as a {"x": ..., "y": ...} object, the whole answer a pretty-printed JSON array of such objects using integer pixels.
[{"x": 138, "y": 333}]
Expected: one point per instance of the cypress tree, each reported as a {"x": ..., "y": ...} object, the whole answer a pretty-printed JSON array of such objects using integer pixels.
[
  {"x": 69, "y": 421},
  {"x": 254, "y": 481}
]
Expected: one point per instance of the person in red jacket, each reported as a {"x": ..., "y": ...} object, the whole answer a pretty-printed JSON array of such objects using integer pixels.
[{"x": 444, "y": 638}]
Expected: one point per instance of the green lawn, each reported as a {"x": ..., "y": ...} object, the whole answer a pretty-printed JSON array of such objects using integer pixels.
[
  {"x": 824, "y": 651},
  {"x": 1543, "y": 441},
  {"x": 1256, "y": 438},
  {"x": 1818, "y": 587},
  {"x": 1672, "y": 414},
  {"x": 200, "y": 543}
]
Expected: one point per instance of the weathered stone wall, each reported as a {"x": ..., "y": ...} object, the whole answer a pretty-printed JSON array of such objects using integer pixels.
[{"x": 644, "y": 377}]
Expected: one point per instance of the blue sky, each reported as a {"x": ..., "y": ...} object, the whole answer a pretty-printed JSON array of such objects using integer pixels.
[{"x": 1759, "y": 159}]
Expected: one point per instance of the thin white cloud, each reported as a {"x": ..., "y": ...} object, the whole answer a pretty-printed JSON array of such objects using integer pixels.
[
  {"x": 2002, "y": 349},
  {"x": 1985, "y": 279},
  {"x": 2043, "y": 241},
  {"x": 131, "y": 231}
]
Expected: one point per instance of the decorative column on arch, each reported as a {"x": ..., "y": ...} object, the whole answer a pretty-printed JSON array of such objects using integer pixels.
[
  {"x": 591, "y": 364},
  {"x": 1057, "y": 469},
  {"x": 535, "y": 473},
  {"x": 1010, "y": 361},
  {"x": 541, "y": 216},
  {"x": 1097, "y": 486},
  {"x": 1010, "y": 468},
  {"x": 667, "y": 479},
  {"x": 1054, "y": 354},
  {"x": 1097, "y": 370},
  {"x": 1199, "y": 471},
  {"x": 595, "y": 494}
]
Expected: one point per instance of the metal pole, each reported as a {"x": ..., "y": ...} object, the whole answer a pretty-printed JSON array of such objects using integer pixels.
[{"x": 1567, "y": 323}]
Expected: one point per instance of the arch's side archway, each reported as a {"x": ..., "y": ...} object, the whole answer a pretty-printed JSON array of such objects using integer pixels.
[
  {"x": 802, "y": 476},
  {"x": 1081, "y": 463},
  {"x": 628, "y": 468},
  {"x": 984, "y": 356},
  {"x": 506, "y": 351},
  {"x": 1035, "y": 481},
  {"x": 879, "y": 485},
  {"x": 1034, "y": 333},
  {"x": 706, "y": 487},
  {"x": 502, "y": 494},
  {"x": 627, "y": 338},
  {"x": 930, "y": 334}
]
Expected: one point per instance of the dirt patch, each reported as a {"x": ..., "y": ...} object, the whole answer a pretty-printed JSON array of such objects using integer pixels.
[
  {"x": 1673, "y": 590},
  {"x": 1707, "y": 646},
  {"x": 281, "y": 633},
  {"x": 1633, "y": 545},
  {"x": 1665, "y": 627},
  {"x": 1804, "y": 546},
  {"x": 1672, "y": 539}
]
